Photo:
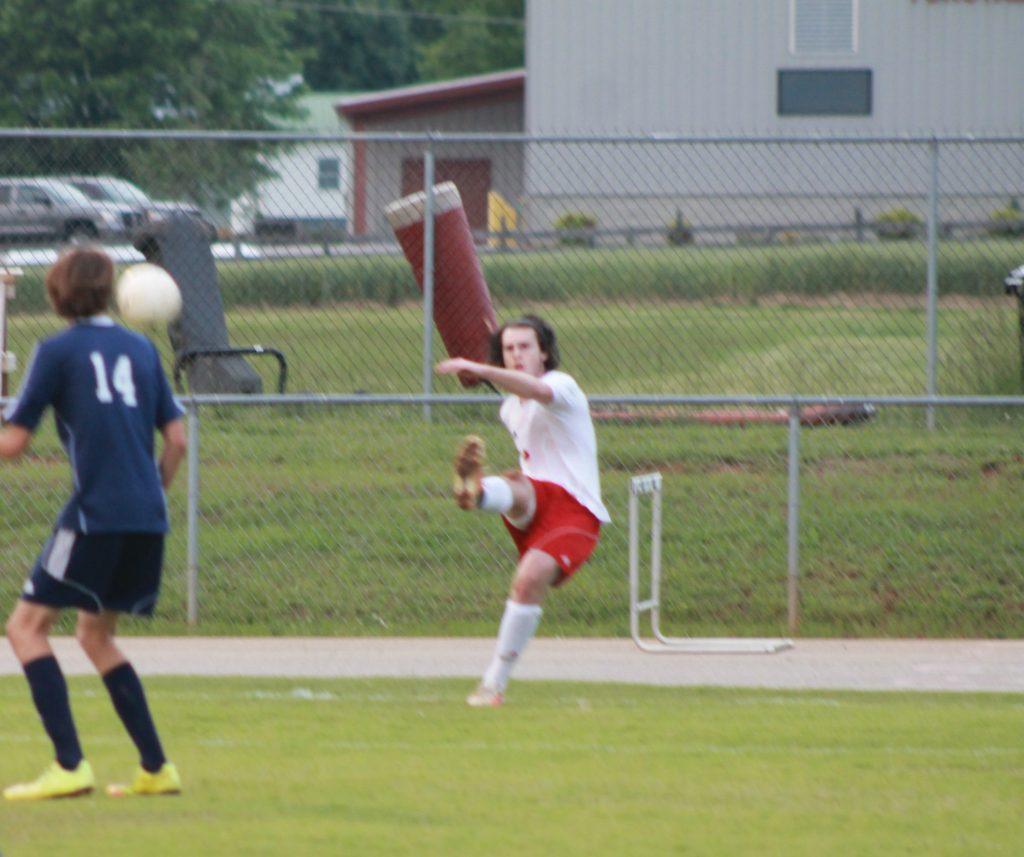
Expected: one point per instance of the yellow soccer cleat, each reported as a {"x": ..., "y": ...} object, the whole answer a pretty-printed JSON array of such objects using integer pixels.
[
  {"x": 55, "y": 782},
  {"x": 164, "y": 782}
]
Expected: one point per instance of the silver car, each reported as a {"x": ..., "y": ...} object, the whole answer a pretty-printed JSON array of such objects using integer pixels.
[
  {"x": 121, "y": 191},
  {"x": 44, "y": 209}
]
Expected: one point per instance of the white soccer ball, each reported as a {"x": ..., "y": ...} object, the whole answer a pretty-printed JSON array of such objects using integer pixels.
[{"x": 147, "y": 295}]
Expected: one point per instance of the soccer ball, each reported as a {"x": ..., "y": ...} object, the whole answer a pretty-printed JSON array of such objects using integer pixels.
[{"x": 147, "y": 295}]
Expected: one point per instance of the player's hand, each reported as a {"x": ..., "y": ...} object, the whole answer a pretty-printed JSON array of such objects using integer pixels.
[{"x": 457, "y": 366}]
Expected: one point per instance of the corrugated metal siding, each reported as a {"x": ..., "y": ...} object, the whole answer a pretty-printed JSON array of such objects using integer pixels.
[{"x": 709, "y": 66}]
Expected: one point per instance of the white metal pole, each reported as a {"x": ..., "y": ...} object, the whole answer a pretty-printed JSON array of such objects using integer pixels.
[
  {"x": 8, "y": 277},
  {"x": 428, "y": 278},
  {"x": 656, "y": 553},
  {"x": 5, "y": 279},
  {"x": 793, "y": 522},
  {"x": 192, "y": 515},
  {"x": 933, "y": 279},
  {"x": 634, "y": 564}
]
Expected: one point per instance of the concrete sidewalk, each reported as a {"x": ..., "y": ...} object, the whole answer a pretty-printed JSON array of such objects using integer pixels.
[{"x": 957, "y": 665}]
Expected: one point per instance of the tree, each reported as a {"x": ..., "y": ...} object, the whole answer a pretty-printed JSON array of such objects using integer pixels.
[
  {"x": 349, "y": 51},
  {"x": 454, "y": 48},
  {"x": 177, "y": 64},
  {"x": 362, "y": 47}
]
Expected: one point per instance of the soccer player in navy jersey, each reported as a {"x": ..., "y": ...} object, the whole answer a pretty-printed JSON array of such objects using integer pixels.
[{"x": 109, "y": 394}]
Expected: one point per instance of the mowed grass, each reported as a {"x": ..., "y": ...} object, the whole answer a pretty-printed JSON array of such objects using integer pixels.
[
  {"x": 395, "y": 767},
  {"x": 876, "y": 346},
  {"x": 339, "y": 521}
]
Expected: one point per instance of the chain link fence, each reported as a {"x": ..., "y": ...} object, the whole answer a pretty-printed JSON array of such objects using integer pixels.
[
  {"x": 338, "y": 519},
  {"x": 669, "y": 267}
]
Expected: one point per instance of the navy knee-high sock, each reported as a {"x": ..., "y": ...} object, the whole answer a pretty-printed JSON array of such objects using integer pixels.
[
  {"x": 130, "y": 703},
  {"x": 50, "y": 694}
]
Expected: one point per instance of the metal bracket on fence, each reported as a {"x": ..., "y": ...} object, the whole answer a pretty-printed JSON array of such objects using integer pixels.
[
  {"x": 650, "y": 484},
  {"x": 187, "y": 358}
]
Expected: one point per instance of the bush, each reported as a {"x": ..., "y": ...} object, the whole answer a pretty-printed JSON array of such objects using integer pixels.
[
  {"x": 898, "y": 224},
  {"x": 576, "y": 228},
  {"x": 1007, "y": 222},
  {"x": 679, "y": 232},
  {"x": 744, "y": 274}
]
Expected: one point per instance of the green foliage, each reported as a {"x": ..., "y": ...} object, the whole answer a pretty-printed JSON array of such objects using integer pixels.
[
  {"x": 190, "y": 64},
  {"x": 352, "y": 51},
  {"x": 1007, "y": 222},
  {"x": 576, "y": 228},
  {"x": 679, "y": 232},
  {"x": 359, "y": 47},
  {"x": 712, "y": 274},
  {"x": 453, "y": 48},
  {"x": 576, "y": 220},
  {"x": 898, "y": 224}
]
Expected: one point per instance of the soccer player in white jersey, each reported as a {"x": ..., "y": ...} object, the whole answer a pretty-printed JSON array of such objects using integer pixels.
[
  {"x": 109, "y": 395},
  {"x": 552, "y": 505}
]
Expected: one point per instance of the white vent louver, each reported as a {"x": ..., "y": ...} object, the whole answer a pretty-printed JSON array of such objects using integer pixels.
[{"x": 823, "y": 27}]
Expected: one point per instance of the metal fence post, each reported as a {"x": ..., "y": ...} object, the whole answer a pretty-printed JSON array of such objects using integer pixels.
[
  {"x": 192, "y": 515},
  {"x": 428, "y": 277},
  {"x": 793, "y": 523},
  {"x": 933, "y": 278}
]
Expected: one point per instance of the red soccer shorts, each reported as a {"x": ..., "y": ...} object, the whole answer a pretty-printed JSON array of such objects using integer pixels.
[{"x": 562, "y": 527}]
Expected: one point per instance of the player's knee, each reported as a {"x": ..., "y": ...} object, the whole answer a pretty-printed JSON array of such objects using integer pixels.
[
  {"x": 527, "y": 590},
  {"x": 521, "y": 591},
  {"x": 12, "y": 628},
  {"x": 21, "y": 630},
  {"x": 92, "y": 639}
]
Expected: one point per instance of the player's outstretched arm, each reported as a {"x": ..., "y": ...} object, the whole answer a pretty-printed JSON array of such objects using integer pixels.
[
  {"x": 14, "y": 440},
  {"x": 510, "y": 380},
  {"x": 175, "y": 445}
]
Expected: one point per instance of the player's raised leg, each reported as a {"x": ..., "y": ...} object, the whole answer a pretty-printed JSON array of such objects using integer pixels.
[
  {"x": 70, "y": 775},
  {"x": 535, "y": 574},
  {"x": 95, "y": 633},
  {"x": 511, "y": 494}
]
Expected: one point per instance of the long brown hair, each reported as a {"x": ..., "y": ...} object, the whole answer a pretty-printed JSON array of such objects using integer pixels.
[{"x": 545, "y": 338}]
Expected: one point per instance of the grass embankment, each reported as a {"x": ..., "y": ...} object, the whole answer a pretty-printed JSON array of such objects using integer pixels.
[{"x": 339, "y": 522}]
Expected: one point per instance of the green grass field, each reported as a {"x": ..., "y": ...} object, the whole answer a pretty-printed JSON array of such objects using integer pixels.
[
  {"x": 337, "y": 521},
  {"x": 394, "y": 767},
  {"x": 625, "y": 347},
  {"x": 333, "y": 523}
]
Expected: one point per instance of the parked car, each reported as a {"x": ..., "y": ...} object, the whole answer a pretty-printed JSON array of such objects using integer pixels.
[
  {"x": 122, "y": 192},
  {"x": 45, "y": 209}
]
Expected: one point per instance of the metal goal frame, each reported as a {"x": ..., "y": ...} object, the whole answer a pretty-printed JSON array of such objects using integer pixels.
[{"x": 649, "y": 484}]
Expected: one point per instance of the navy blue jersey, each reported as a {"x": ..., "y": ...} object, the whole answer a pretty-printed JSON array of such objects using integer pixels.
[{"x": 108, "y": 392}]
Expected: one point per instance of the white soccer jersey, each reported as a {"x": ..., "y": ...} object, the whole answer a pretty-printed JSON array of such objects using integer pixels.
[{"x": 556, "y": 442}]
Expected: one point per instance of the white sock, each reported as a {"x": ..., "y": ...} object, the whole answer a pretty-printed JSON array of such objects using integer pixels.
[
  {"x": 518, "y": 626},
  {"x": 524, "y": 520},
  {"x": 497, "y": 495}
]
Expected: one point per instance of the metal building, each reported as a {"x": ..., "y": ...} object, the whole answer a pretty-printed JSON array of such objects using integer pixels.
[
  {"x": 770, "y": 69},
  {"x": 384, "y": 171}
]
